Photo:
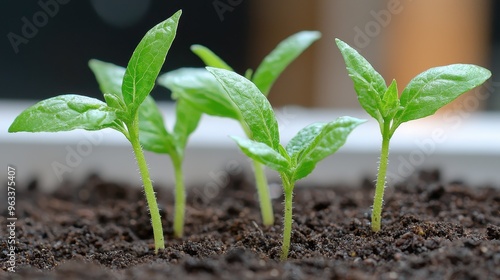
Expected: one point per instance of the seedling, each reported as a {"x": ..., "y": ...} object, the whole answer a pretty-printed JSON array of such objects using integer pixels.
[
  {"x": 422, "y": 97},
  {"x": 200, "y": 89},
  {"x": 120, "y": 112},
  {"x": 300, "y": 156},
  {"x": 152, "y": 132}
]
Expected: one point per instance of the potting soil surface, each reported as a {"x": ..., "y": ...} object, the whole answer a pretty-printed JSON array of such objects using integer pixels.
[{"x": 101, "y": 230}]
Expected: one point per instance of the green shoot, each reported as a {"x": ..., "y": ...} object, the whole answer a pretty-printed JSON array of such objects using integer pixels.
[
  {"x": 201, "y": 90},
  {"x": 121, "y": 110},
  {"x": 293, "y": 162},
  {"x": 422, "y": 97},
  {"x": 155, "y": 138},
  {"x": 152, "y": 132}
]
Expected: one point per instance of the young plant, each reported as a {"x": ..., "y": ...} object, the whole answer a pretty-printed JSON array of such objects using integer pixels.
[
  {"x": 300, "y": 156},
  {"x": 422, "y": 97},
  {"x": 152, "y": 132},
  {"x": 200, "y": 89},
  {"x": 120, "y": 112}
]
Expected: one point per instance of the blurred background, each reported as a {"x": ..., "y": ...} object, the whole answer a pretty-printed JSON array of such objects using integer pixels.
[{"x": 47, "y": 43}]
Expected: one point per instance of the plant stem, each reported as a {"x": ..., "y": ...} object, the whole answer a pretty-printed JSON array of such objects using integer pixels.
[
  {"x": 180, "y": 197},
  {"x": 287, "y": 222},
  {"x": 133, "y": 129},
  {"x": 382, "y": 171},
  {"x": 266, "y": 207}
]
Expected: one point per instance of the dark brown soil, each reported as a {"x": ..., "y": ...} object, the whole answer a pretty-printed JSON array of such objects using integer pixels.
[{"x": 100, "y": 230}]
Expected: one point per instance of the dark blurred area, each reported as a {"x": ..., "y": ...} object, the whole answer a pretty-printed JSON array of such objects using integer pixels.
[
  {"x": 50, "y": 57},
  {"x": 400, "y": 38}
]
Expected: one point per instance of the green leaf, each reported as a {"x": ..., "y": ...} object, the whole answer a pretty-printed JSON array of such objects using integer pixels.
[
  {"x": 368, "y": 83},
  {"x": 255, "y": 109},
  {"x": 186, "y": 122},
  {"x": 302, "y": 139},
  {"x": 263, "y": 153},
  {"x": 110, "y": 78},
  {"x": 249, "y": 73},
  {"x": 436, "y": 87},
  {"x": 209, "y": 57},
  {"x": 275, "y": 62},
  {"x": 153, "y": 135},
  {"x": 146, "y": 62},
  {"x": 115, "y": 102},
  {"x": 317, "y": 141},
  {"x": 201, "y": 90},
  {"x": 64, "y": 113},
  {"x": 390, "y": 101}
]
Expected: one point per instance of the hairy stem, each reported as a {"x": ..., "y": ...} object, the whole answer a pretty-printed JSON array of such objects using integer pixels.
[
  {"x": 287, "y": 221},
  {"x": 180, "y": 197},
  {"x": 133, "y": 129},
  {"x": 382, "y": 171},
  {"x": 266, "y": 207}
]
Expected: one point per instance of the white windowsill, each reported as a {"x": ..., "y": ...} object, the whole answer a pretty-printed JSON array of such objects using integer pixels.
[{"x": 464, "y": 148}]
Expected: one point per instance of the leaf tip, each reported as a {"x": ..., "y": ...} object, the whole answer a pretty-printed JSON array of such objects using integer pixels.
[
  {"x": 12, "y": 128},
  {"x": 313, "y": 34},
  {"x": 357, "y": 121},
  {"x": 93, "y": 63},
  {"x": 195, "y": 47},
  {"x": 210, "y": 69},
  {"x": 485, "y": 72},
  {"x": 214, "y": 70},
  {"x": 236, "y": 139},
  {"x": 177, "y": 14},
  {"x": 339, "y": 42}
]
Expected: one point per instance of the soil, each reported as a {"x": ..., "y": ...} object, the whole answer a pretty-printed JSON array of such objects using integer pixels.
[{"x": 101, "y": 230}]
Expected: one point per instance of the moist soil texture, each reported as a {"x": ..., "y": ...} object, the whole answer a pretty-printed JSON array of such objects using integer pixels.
[{"x": 101, "y": 230}]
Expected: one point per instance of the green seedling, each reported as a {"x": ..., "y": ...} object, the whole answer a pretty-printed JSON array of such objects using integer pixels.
[
  {"x": 153, "y": 135},
  {"x": 200, "y": 89},
  {"x": 120, "y": 112},
  {"x": 422, "y": 97},
  {"x": 300, "y": 156}
]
